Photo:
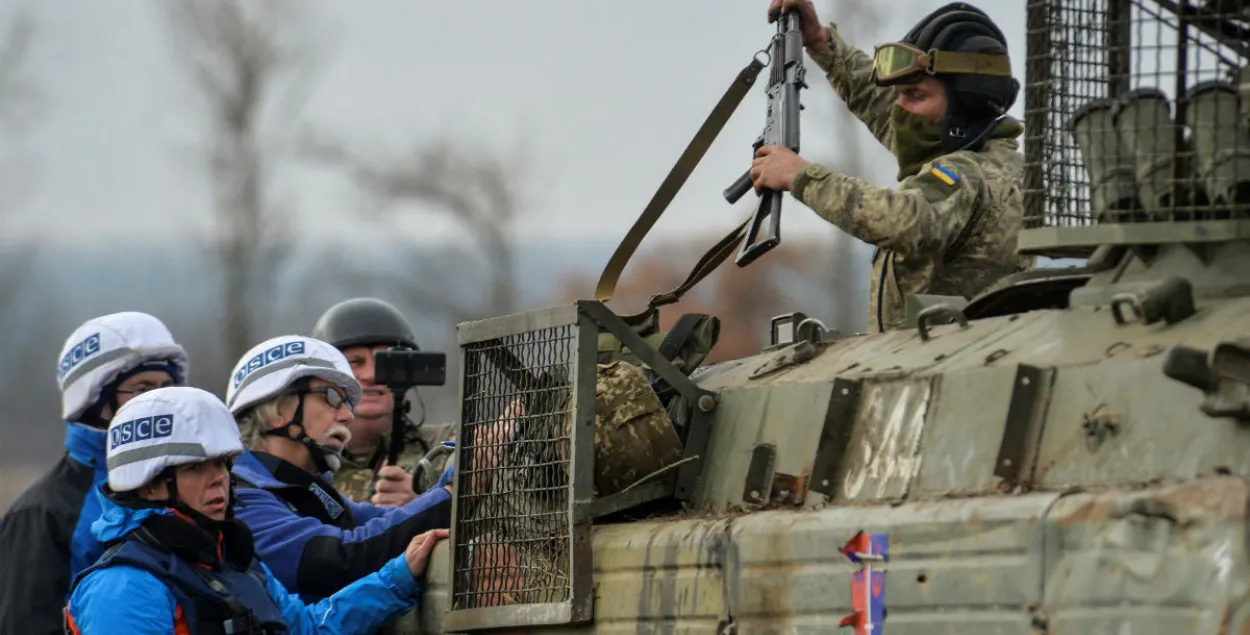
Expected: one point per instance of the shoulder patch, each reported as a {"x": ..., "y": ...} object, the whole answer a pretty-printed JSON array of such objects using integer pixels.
[{"x": 945, "y": 174}]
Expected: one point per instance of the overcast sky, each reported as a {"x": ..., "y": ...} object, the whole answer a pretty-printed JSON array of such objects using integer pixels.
[{"x": 602, "y": 96}]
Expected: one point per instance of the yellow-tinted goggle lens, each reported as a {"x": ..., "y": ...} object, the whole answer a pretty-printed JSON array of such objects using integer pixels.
[{"x": 893, "y": 61}]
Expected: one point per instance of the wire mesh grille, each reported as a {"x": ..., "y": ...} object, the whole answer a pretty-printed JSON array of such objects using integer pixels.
[
  {"x": 514, "y": 524},
  {"x": 1136, "y": 111}
]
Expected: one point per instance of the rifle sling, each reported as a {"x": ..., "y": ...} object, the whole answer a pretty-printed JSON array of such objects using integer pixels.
[
  {"x": 708, "y": 262},
  {"x": 668, "y": 189}
]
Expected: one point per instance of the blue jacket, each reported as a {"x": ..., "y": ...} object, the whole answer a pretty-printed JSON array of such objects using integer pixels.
[
  {"x": 45, "y": 538},
  {"x": 127, "y": 600},
  {"x": 317, "y": 541}
]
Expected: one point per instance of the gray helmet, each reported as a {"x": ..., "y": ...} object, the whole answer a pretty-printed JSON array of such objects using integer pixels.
[{"x": 364, "y": 322}]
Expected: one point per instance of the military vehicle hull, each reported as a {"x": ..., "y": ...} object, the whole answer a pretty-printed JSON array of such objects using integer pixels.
[
  {"x": 1035, "y": 472},
  {"x": 1162, "y": 559}
]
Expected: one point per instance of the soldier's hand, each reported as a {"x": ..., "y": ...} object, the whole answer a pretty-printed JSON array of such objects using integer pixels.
[
  {"x": 814, "y": 33},
  {"x": 394, "y": 487},
  {"x": 418, "y": 552},
  {"x": 504, "y": 564},
  {"x": 774, "y": 168},
  {"x": 489, "y": 441}
]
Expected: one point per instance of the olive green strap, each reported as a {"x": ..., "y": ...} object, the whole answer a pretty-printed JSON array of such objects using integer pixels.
[
  {"x": 971, "y": 63},
  {"x": 708, "y": 263},
  {"x": 672, "y": 184}
]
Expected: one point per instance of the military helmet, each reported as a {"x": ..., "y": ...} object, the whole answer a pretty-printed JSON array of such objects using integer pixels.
[
  {"x": 165, "y": 428},
  {"x": 962, "y": 47},
  {"x": 364, "y": 322},
  {"x": 962, "y": 28},
  {"x": 104, "y": 351},
  {"x": 273, "y": 366}
]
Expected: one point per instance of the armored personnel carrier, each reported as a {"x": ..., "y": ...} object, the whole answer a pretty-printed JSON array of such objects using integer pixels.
[{"x": 1066, "y": 453}]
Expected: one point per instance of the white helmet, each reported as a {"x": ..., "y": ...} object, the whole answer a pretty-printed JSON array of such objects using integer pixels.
[
  {"x": 273, "y": 365},
  {"x": 105, "y": 347},
  {"x": 167, "y": 427}
]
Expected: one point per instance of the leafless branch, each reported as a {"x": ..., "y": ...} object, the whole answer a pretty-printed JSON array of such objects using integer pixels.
[
  {"x": 477, "y": 190},
  {"x": 243, "y": 55},
  {"x": 19, "y": 96},
  {"x": 16, "y": 90},
  {"x": 19, "y": 111}
]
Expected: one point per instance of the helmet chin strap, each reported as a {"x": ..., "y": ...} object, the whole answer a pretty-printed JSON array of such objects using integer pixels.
[
  {"x": 325, "y": 458},
  {"x": 173, "y": 501}
]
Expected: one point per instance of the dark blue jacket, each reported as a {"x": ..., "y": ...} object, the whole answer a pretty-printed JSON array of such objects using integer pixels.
[
  {"x": 317, "y": 541},
  {"x": 126, "y": 600},
  {"x": 45, "y": 538}
]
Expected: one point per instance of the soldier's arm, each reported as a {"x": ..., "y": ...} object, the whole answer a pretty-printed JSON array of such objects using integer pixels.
[
  {"x": 922, "y": 216},
  {"x": 849, "y": 71}
]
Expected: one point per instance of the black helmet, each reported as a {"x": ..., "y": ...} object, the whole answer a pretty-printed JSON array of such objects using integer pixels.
[
  {"x": 976, "y": 102},
  {"x": 364, "y": 322}
]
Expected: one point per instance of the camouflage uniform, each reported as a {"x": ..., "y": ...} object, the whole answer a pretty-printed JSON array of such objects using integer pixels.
[
  {"x": 633, "y": 438},
  {"x": 922, "y": 231},
  {"x": 358, "y": 476}
]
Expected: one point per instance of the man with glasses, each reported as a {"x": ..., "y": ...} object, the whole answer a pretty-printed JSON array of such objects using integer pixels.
[
  {"x": 46, "y": 539},
  {"x": 293, "y": 397},
  {"x": 938, "y": 100}
]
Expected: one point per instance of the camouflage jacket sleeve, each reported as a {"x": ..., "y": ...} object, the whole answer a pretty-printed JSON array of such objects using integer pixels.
[
  {"x": 924, "y": 215},
  {"x": 849, "y": 71}
]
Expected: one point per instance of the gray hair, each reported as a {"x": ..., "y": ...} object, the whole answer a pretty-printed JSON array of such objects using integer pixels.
[{"x": 255, "y": 421}]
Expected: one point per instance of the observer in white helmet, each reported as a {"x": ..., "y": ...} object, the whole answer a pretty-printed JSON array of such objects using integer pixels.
[
  {"x": 293, "y": 398},
  {"x": 181, "y": 562},
  {"x": 45, "y": 538}
]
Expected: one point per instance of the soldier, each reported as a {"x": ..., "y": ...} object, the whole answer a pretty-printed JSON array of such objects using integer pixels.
[
  {"x": 938, "y": 100},
  {"x": 46, "y": 537},
  {"x": 358, "y": 327}
]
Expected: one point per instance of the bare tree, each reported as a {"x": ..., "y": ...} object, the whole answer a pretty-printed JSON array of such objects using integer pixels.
[
  {"x": 19, "y": 98},
  {"x": 244, "y": 55},
  {"x": 475, "y": 189},
  {"x": 19, "y": 110}
]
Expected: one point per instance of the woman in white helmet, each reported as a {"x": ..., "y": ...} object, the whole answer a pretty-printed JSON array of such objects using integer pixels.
[
  {"x": 293, "y": 398},
  {"x": 45, "y": 538},
  {"x": 181, "y": 563}
]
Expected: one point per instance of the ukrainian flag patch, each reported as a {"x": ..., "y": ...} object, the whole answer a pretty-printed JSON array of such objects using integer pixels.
[{"x": 944, "y": 175}]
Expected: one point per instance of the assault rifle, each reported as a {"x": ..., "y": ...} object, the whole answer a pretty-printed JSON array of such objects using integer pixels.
[{"x": 785, "y": 80}]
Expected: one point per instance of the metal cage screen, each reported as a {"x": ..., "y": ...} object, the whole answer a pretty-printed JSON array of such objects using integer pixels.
[
  {"x": 514, "y": 523},
  {"x": 1136, "y": 111}
]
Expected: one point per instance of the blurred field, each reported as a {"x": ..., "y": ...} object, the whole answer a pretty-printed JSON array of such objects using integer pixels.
[{"x": 15, "y": 478}]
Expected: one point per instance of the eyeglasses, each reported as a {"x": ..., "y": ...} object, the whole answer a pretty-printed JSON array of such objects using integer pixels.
[
  {"x": 334, "y": 397},
  {"x": 142, "y": 388}
]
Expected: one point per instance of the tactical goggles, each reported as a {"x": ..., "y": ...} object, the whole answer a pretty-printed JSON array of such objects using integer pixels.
[{"x": 902, "y": 63}]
